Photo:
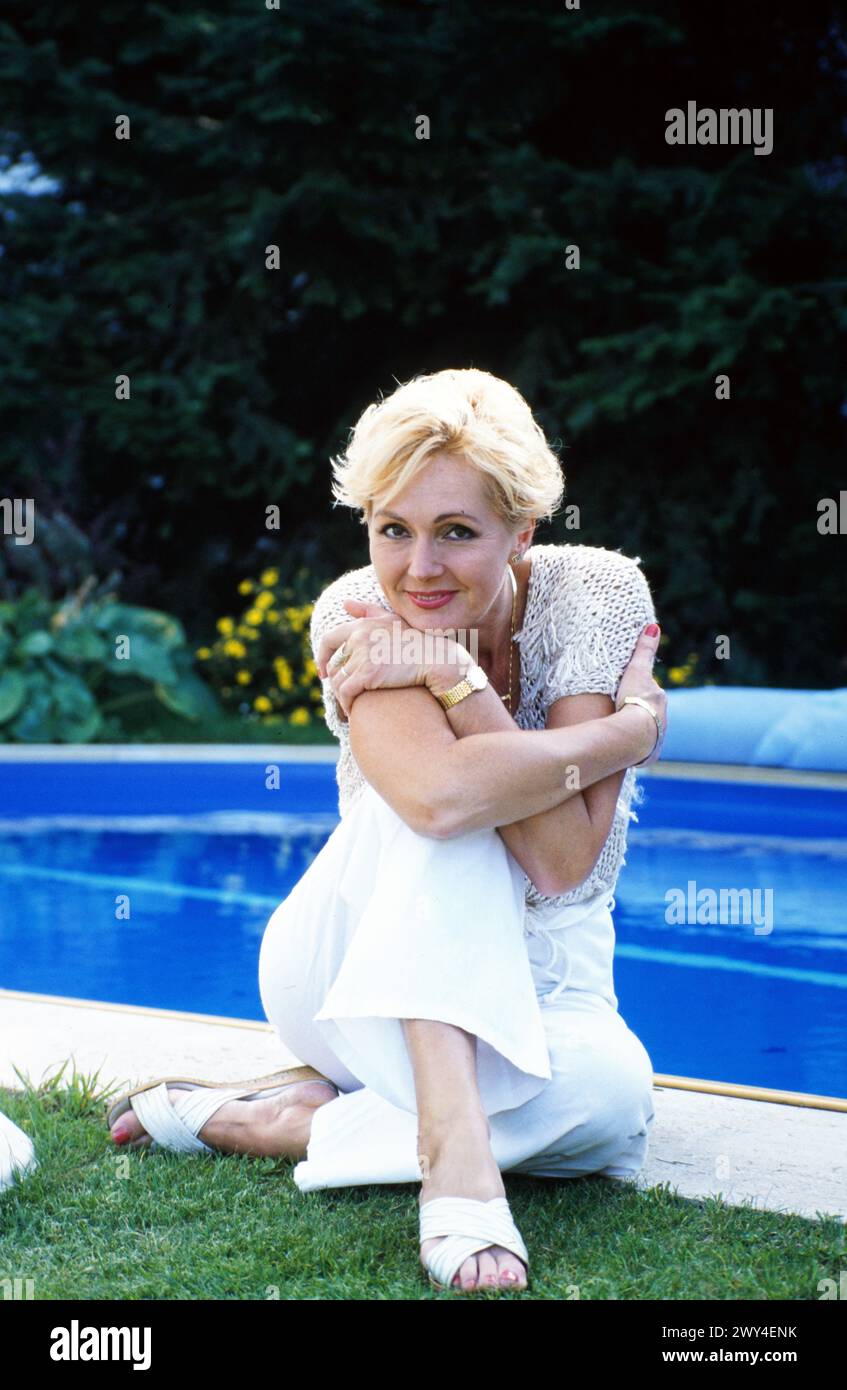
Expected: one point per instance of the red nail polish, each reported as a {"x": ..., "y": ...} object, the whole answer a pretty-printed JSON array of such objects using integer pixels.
[
  {"x": 119, "y": 1136},
  {"x": 652, "y": 630}
]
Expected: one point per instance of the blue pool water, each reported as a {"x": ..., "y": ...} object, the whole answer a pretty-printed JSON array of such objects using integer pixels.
[
  {"x": 198, "y": 903},
  {"x": 761, "y": 1001}
]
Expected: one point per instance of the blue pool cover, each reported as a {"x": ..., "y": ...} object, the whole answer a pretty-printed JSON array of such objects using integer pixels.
[{"x": 758, "y": 727}]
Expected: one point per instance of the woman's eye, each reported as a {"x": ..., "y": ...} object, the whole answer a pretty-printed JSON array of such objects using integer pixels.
[{"x": 395, "y": 526}]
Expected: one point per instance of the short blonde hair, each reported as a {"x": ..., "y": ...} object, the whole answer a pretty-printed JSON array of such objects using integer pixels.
[{"x": 465, "y": 412}]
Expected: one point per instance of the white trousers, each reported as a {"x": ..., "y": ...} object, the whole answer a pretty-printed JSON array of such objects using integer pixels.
[{"x": 387, "y": 924}]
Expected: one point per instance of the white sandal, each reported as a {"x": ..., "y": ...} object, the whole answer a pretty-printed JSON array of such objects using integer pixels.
[
  {"x": 176, "y": 1124},
  {"x": 17, "y": 1153},
  {"x": 469, "y": 1226}
]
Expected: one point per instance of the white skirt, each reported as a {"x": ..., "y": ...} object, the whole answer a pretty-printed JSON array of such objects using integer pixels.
[{"x": 387, "y": 924}]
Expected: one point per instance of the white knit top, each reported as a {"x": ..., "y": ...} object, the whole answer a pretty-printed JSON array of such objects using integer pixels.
[{"x": 584, "y": 611}]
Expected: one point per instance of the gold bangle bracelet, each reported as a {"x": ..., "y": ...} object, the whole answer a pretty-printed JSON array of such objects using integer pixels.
[{"x": 637, "y": 700}]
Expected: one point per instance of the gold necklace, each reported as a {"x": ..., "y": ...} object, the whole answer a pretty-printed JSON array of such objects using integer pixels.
[{"x": 507, "y": 699}]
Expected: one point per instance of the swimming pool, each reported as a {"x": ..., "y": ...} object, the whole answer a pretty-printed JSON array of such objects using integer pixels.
[{"x": 731, "y": 960}]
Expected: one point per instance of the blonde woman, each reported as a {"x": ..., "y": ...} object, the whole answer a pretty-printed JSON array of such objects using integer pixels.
[{"x": 444, "y": 968}]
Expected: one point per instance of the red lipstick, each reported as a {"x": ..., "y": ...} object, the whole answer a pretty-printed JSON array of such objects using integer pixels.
[{"x": 433, "y": 598}]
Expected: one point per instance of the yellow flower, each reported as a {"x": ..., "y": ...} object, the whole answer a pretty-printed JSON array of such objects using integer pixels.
[
  {"x": 226, "y": 626},
  {"x": 309, "y": 668},
  {"x": 316, "y": 694},
  {"x": 272, "y": 719},
  {"x": 254, "y": 616},
  {"x": 203, "y": 653},
  {"x": 320, "y": 712},
  {"x": 268, "y": 577},
  {"x": 235, "y": 648},
  {"x": 262, "y": 703},
  {"x": 243, "y": 677},
  {"x": 284, "y": 674},
  {"x": 248, "y": 632},
  {"x": 298, "y": 618},
  {"x": 264, "y": 599},
  {"x": 300, "y": 716},
  {"x": 677, "y": 674},
  {"x": 272, "y": 615},
  {"x": 246, "y": 586}
]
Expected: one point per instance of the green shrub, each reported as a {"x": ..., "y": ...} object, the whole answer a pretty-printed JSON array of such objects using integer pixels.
[{"x": 69, "y": 669}]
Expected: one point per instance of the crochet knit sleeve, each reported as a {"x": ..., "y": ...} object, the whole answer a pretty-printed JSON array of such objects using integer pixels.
[
  {"x": 328, "y": 612},
  {"x": 597, "y": 611}
]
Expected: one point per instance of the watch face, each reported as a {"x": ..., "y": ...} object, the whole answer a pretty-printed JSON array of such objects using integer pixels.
[{"x": 476, "y": 677}]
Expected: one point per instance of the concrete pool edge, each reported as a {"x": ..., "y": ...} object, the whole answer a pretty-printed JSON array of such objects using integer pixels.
[
  {"x": 328, "y": 753},
  {"x": 703, "y": 1144},
  {"x": 771, "y": 1094},
  {"x": 662, "y": 1080},
  {"x": 169, "y": 752},
  {"x": 745, "y": 772},
  {"x": 73, "y": 1002}
]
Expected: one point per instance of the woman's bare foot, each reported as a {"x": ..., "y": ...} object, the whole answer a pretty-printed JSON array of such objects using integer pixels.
[
  {"x": 459, "y": 1163},
  {"x": 274, "y": 1126}
]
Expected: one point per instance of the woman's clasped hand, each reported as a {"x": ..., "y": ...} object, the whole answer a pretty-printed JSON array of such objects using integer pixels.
[
  {"x": 381, "y": 651},
  {"x": 638, "y": 679}
]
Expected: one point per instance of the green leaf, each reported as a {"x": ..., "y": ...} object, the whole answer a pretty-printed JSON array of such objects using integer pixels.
[
  {"x": 77, "y": 642},
  {"x": 146, "y": 659},
  {"x": 114, "y": 619},
  {"x": 189, "y": 696},
  {"x": 35, "y": 643},
  {"x": 12, "y": 692},
  {"x": 35, "y": 723},
  {"x": 82, "y": 726}
]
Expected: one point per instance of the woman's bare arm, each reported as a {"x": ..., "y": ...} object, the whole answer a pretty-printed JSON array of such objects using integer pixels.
[
  {"x": 569, "y": 839},
  {"x": 442, "y": 785},
  {"x": 556, "y": 848},
  {"x": 512, "y": 776}
]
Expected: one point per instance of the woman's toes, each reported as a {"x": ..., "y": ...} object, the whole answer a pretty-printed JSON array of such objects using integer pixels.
[
  {"x": 128, "y": 1128},
  {"x": 511, "y": 1270},
  {"x": 468, "y": 1273},
  {"x": 488, "y": 1276},
  {"x": 490, "y": 1268}
]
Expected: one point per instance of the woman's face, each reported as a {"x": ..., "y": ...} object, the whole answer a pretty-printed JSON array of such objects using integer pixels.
[{"x": 441, "y": 540}]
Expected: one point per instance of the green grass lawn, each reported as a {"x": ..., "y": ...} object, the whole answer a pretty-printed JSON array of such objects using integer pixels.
[{"x": 95, "y": 1222}]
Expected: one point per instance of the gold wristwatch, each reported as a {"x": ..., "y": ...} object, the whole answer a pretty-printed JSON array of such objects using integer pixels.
[{"x": 473, "y": 679}]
